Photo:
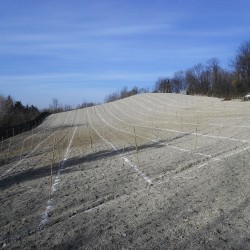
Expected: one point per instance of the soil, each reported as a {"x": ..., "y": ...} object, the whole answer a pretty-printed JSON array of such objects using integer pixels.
[{"x": 152, "y": 171}]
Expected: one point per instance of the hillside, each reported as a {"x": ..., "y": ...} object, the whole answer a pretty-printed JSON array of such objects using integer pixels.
[{"x": 150, "y": 171}]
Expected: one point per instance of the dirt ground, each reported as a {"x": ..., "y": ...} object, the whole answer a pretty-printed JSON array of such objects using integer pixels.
[{"x": 152, "y": 171}]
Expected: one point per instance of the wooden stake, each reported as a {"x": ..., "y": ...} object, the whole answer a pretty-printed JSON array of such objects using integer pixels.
[
  {"x": 123, "y": 153},
  {"x": 89, "y": 132},
  {"x": 7, "y": 154},
  {"x": 155, "y": 127},
  {"x": 21, "y": 153},
  {"x": 2, "y": 144},
  {"x": 136, "y": 146},
  {"x": 32, "y": 137},
  {"x": 40, "y": 137},
  {"x": 195, "y": 140},
  {"x": 51, "y": 166},
  {"x": 91, "y": 141}
]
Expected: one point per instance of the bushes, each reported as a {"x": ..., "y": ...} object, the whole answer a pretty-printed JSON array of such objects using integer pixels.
[{"x": 124, "y": 93}]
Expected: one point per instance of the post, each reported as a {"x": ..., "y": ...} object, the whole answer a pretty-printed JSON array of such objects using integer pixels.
[
  {"x": 195, "y": 145},
  {"x": 155, "y": 128},
  {"x": 2, "y": 144},
  {"x": 40, "y": 137},
  {"x": 51, "y": 166},
  {"x": 21, "y": 153},
  {"x": 32, "y": 136},
  {"x": 136, "y": 146},
  {"x": 91, "y": 141},
  {"x": 123, "y": 153},
  {"x": 7, "y": 153},
  {"x": 89, "y": 132}
]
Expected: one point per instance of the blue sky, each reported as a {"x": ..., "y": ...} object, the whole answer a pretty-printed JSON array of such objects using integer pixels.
[{"x": 79, "y": 50}]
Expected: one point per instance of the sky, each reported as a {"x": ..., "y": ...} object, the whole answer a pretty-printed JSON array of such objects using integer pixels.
[{"x": 83, "y": 50}]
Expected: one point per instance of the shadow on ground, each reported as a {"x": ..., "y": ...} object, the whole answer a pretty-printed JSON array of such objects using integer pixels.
[{"x": 44, "y": 171}]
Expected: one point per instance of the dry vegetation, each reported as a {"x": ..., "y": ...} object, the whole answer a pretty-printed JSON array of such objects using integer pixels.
[{"x": 149, "y": 171}]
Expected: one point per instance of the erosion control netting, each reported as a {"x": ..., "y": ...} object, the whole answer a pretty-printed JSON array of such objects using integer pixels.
[{"x": 151, "y": 170}]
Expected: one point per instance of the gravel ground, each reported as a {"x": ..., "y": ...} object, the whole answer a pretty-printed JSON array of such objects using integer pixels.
[{"x": 152, "y": 171}]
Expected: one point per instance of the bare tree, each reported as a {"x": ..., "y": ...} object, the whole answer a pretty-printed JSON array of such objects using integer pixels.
[
  {"x": 163, "y": 85},
  {"x": 178, "y": 82},
  {"x": 122, "y": 94},
  {"x": 198, "y": 81},
  {"x": 112, "y": 97},
  {"x": 3, "y": 109},
  {"x": 67, "y": 107},
  {"x": 214, "y": 74},
  {"x": 55, "y": 106},
  {"x": 6, "y": 108},
  {"x": 241, "y": 65}
]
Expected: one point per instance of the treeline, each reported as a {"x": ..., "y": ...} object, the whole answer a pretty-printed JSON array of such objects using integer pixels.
[
  {"x": 204, "y": 79},
  {"x": 16, "y": 118},
  {"x": 56, "y": 107},
  {"x": 14, "y": 112},
  {"x": 124, "y": 93}
]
